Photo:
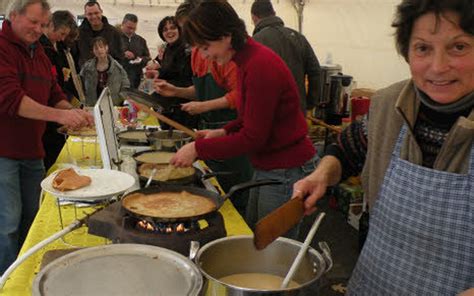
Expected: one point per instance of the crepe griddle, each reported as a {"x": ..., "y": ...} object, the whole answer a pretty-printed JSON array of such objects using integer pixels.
[
  {"x": 144, "y": 101},
  {"x": 154, "y": 100}
]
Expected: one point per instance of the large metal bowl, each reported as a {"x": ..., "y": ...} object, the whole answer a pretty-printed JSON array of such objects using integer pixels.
[
  {"x": 168, "y": 140},
  {"x": 237, "y": 254},
  {"x": 121, "y": 269}
]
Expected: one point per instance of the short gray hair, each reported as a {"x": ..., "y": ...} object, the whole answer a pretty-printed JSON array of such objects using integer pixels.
[{"x": 21, "y": 5}]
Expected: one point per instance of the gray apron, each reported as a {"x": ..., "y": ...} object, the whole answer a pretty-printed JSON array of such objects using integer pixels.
[{"x": 421, "y": 233}]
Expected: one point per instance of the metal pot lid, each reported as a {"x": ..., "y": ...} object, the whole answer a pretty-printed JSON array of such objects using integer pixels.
[{"x": 121, "y": 269}]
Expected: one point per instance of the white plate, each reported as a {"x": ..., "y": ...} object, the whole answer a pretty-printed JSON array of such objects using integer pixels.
[{"x": 105, "y": 184}]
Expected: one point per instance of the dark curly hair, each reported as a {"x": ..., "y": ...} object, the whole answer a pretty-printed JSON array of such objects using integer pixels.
[
  {"x": 410, "y": 10},
  {"x": 212, "y": 20},
  {"x": 162, "y": 24}
]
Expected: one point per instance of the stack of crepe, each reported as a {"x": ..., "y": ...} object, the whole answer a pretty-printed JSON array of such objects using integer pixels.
[{"x": 69, "y": 180}]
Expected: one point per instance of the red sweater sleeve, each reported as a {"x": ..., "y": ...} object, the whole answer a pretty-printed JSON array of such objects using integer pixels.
[
  {"x": 270, "y": 128},
  {"x": 11, "y": 91},
  {"x": 57, "y": 94},
  {"x": 262, "y": 90}
]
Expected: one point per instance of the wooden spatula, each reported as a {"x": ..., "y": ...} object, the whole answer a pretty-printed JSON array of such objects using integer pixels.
[
  {"x": 278, "y": 222},
  {"x": 166, "y": 120}
]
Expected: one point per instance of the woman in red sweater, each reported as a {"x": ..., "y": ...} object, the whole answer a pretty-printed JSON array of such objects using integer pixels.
[{"x": 270, "y": 127}]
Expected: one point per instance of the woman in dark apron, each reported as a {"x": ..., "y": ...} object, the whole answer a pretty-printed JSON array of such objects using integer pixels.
[
  {"x": 419, "y": 163},
  {"x": 208, "y": 89},
  {"x": 270, "y": 127},
  {"x": 213, "y": 91}
]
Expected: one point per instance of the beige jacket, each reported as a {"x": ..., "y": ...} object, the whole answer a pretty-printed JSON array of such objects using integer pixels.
[{"x": 390, "y": 108}]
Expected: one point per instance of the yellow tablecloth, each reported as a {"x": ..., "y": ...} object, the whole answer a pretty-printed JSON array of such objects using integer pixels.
[{"x": 47, "y": 223}]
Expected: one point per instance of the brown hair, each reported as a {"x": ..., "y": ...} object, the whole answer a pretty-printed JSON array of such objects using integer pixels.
[
  {"x": 262, "y": 8},
  {"x": 212, "y": 20},
  {"x": 410, "y": 10},
  {"x": 185, "y": 8},
  {"x": 99, "y": 40}
]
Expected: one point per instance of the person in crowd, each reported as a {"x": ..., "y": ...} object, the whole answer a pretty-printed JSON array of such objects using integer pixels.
[
  {"x": 103, "y": 71},
  {"x": 29, "y": 96},
  {"x": 61, "y": 24},
  {"x": 214, "y": 94},
  {"x": 214, "y": 86},
  {"x": 174, "y": 66},
  {"x": 416, "y": 156},
  {"x": 270, "y": 127},
  {"x": 136, "y": 53},
  {"x": 95, "y": 25},
  {"x": 292, "y": 47}
]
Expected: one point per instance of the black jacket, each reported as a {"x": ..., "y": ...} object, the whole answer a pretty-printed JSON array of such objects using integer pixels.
[
  {"x": 59, "y": 61},
  {"x": 138, "y": 46},
  {"x": 86, "y": 34},
  {"x": 176, "y": 64},
  {"x": 297, "y": 53}
]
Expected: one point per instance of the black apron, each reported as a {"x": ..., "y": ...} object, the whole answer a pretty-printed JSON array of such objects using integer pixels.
[{"x": 207, "y": 89}]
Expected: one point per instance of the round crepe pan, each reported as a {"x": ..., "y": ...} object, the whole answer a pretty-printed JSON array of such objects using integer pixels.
[
  {"x": 154, "y": 101},
  {"x": 128, "y": 204},
  {"x": 139, "y": 162},
  {"x": 122, "y": 136},
  {"x": 197, "y": 176}
]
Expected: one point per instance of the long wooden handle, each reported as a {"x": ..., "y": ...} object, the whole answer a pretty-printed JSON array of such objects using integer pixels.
[
  {"x": 75, "y": 76},
  {"x": 166, "y": 120},
  {"x": 324, "y": 124}
]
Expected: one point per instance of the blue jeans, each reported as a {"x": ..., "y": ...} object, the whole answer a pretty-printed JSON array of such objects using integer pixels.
[
  {"x": 19, "y": 197},
  {"x": 265, "y": 199}
]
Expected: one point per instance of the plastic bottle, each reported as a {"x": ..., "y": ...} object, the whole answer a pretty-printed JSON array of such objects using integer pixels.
[{"x": 328, "y": 60}]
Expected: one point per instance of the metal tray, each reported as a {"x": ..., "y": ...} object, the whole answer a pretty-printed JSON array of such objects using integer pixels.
[{"x": 122, "y": 269}]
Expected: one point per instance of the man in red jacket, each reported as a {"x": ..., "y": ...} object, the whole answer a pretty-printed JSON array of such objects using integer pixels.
[{"x": 29, "y": 96}]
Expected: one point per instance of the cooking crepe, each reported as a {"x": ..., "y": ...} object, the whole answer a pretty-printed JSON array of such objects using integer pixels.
[
  {"x": 165, "y": 172},
  {"x": 69, "y": 180},
  {"x": 85, "y": 131}
]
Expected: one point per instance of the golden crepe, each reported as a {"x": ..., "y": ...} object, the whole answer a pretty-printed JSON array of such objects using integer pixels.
[
  {"x": 69, "y": 180},
  {"x": 165, "y": 172},
  {"x": 82, "y": 132},
  {"x": 155, "y": 157},
  {"x": 168, "y": 204},
  {"x": 133, "y": 136}
]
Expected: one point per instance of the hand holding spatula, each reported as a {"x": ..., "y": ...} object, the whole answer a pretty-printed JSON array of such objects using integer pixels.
[{"x": 278, "y": 222}]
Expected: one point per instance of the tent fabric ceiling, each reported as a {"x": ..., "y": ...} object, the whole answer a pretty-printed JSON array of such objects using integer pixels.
[{"x": 356, "y": 33}]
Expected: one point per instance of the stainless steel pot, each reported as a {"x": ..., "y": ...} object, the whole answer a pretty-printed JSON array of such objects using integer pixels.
[
  {"x": 237, "y": 254},
  {"x": 168, "y": 141},
  {"x": 122, "y": 269}
]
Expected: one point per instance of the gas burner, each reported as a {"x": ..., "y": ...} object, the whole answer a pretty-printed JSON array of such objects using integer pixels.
[
  {"x": 161, "y": 228},
  {"x": 113, "y": 223}
]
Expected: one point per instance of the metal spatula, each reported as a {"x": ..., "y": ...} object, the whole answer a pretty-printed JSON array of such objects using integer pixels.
[{"x": 278, "y": 222}]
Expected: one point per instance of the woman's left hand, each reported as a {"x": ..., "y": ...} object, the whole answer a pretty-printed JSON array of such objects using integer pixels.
[
  {"x": 185, "y": 156},
  {"x": 194, "y": 108}
]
